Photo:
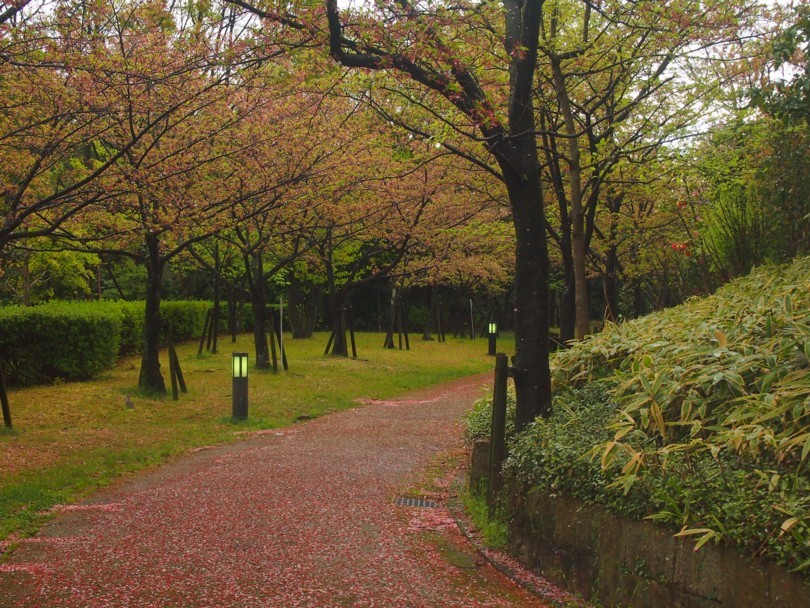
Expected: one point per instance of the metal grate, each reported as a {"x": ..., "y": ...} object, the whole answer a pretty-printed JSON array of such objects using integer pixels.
[{"x": 404, "y": 501}]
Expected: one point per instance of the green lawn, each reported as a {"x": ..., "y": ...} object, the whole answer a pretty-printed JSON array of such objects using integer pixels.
[{"x": 73, "y": 437}]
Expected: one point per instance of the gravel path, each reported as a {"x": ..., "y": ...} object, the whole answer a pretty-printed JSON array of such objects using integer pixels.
[{"x": 304, "y": 516}]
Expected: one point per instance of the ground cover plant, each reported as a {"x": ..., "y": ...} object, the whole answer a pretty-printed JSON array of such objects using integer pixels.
[
  {"x": 70, "y": 438},
  {"x": 696, "y": 416}
]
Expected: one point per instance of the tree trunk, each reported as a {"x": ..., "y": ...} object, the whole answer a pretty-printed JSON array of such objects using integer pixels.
[
  {"x": 578, "y": 249},
  {"x": 392, "y": 319},
  {"x": 427, "y": 331},
  {"x": 515, "y": 150},
  {"x": 232, "y": 313},
  {"x": 339, "y": 346},
  {"x": 258, "y": 299},
  {"x": 611, "y": 281},
  {"x": 567, "y": 306},
  {"x": 531, "y": 371},
  {"x": 151, "y": 379},
  {"x": 217, "y": 307},
  {"x": 26, "y": 272},
  {"x": 639, "y": 308},
  {"x": 302, "y": 307}
]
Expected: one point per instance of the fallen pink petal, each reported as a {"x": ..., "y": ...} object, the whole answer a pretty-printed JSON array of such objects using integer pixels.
[{"x": 273, "y": 522}]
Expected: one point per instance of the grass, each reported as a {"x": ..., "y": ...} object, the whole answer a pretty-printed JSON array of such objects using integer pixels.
[
  {"x": 494, "y": 532},
  {"x": 72, "y": 438}
]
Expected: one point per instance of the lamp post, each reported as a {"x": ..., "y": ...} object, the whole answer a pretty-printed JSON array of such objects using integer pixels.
[
  {"x": 240, "y": 385},
  {"x": 493, "y": 335}
]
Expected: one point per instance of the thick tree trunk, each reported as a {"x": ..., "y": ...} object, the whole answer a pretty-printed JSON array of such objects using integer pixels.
[
  {"x": 259, "y": 304},
  {"x": 151, "y": 378},
  {"x": 515, "y": 149},
  {"x": 531, "y": 371}
]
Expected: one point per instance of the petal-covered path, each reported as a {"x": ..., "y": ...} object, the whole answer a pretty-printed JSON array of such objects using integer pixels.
[{"x": 305, "y": 516}]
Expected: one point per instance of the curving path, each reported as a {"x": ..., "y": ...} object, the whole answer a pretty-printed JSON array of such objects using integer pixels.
[{"x": 304, "y": 516}]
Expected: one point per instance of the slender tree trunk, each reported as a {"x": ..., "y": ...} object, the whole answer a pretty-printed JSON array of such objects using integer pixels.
[
  {"x": 427, "y": 331},
  {"x": 217, "y": 288},
  {"x": 339, "y": 346},
  {"x": 611, "y": 281},
  {"x": 638, "y": 299},
  {"x": 232, "y": 313},
  {"x": 258, "y": 299},
  {"x": 26, "y": 272},
  {"x": 302, "y": 299},
  {"x": 392, "y": 319},
  {"x": 567, "y": 305},
  {"x": 578, "y": 249},
  {"x": 151, "y": 378}
]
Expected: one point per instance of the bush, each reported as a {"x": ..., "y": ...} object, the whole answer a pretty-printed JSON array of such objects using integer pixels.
[
  {"x": 479, "y": 420},
  {"x": 78, "y": 340},
  {"x": 713, "y": 497},
  {"x": 697, "y": 417},
  {"x": 186, "y": 318},
  {"x": 132, "y": 317},
  {"x": 59, "y": 340}
]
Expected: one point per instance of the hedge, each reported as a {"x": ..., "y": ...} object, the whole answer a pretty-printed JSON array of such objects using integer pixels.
[
  {"x": 78, "y": 340},
  {"x": 59, "y": 340}
]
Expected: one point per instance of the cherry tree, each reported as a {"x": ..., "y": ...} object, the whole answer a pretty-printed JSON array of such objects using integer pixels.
[
  {"x": 423, "y": 45},
  {"x": 174, "y": 185}
]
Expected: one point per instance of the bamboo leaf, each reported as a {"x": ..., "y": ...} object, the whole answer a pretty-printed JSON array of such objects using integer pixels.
[
  {"x": 658, "y": 417},
  {"x": 609, "y": 454},
  {"x": 788, "y": 524}
]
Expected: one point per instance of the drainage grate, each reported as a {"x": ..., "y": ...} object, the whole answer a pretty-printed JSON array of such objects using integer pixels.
[{"x": 404, "y": 501}]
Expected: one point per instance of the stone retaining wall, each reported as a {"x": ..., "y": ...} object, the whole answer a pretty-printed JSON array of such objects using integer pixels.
[{"x": 621, "y": 562}]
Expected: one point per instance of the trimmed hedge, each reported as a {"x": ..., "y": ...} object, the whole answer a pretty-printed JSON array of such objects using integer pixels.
[
  {"x": 78, "y": 340},
  {"x": 59, "y": 340}
]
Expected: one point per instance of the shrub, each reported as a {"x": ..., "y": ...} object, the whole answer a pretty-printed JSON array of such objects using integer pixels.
[
  {"x": 726, "y": 496},
  {"x": 479, "y": 420},
  {"x": 58, "y": 340},
  {"x": 77, "y": 340},
  {"x": 185, "y": 317},
  {"x": 697, "y": 417}
]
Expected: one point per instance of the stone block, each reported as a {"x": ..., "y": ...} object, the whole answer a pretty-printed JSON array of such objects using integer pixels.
[
  {"x": 786, "y": 589},
  {"x": 699, "y": 572},
  {"x": 479, "y": 467},
  {"x": 620, "y": 562},
  {"x": 745, "y": 582}
]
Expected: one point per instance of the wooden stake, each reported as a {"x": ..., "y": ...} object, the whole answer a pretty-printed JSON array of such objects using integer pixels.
[{"x": 4, "y": 398}]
